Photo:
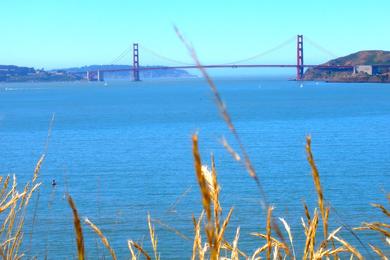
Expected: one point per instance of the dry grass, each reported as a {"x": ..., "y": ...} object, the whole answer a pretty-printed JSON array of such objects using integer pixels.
[
  {"x": 102, "y": 237},
  {"x": 153, "y": 238},
  {"x": 132, "y": 244},
  {"x": 78, "y": 229},
  {"x": 317, "y": 184},
  {"x": 13, "y": 208}
]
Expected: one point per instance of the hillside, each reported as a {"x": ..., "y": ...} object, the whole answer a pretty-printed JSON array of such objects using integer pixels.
[
  {"x": 11, "y": 73},
  {"x": 363, "y": 74}
]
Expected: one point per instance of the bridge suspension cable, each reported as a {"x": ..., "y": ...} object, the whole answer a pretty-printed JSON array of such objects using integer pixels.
[
  {"x": 264, "y": 53},
  {"x": 164, "y": 57},
  {"x": 320, "y": 48},
  {"x": 121, "y": 56}
]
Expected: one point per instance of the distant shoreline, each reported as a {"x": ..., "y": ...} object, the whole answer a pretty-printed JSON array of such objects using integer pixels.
[
  {"x": 16, "y": 74},
  {"x": 341, "y": 81}
]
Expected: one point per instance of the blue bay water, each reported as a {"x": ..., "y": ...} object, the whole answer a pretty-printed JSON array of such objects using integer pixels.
[{"x": 124, "y": 150}]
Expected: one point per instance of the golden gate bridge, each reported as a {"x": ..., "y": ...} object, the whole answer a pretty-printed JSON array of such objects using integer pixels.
[{"x": 136, "y": 68}]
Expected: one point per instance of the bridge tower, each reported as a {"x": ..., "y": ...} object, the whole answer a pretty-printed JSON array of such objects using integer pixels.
[
  {"x": 135, "y": 62},
  {"x": 100, "y": 75},
  {"x": 300, "y": 57},
  {"x": 89, "y": 76}
]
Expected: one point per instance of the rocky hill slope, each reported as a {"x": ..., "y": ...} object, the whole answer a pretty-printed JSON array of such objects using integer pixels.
[{"x": 374, "y": 57}]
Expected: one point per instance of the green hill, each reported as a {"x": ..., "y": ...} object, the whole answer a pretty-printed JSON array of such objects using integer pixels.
[
  {"x": 363, "y": 57},
  {"x": 372, "y": 57}
]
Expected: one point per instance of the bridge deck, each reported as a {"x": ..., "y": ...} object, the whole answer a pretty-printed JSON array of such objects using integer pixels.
[{"x": 217, "y": 66}]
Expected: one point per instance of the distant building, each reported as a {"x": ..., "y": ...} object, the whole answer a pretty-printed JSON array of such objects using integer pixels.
[
  {"x": 363, "y": 69},
  {"x": 59, "y": 72},
  {"x": 370, "y": 69}
]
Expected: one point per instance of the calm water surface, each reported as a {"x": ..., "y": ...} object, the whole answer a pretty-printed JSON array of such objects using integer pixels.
[{"x": 124, "y": 149}]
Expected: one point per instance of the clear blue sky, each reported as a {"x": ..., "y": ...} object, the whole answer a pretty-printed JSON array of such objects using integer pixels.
[{"x": 63, "y": 33}]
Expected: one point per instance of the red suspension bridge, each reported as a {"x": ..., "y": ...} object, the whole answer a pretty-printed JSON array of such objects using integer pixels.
[{"x": 135, "y": 69}]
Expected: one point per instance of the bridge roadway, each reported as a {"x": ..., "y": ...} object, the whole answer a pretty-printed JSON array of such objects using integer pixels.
[{"x": 232, "y": 66}]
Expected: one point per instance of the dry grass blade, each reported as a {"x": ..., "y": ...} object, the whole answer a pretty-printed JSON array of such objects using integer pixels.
[
  {"x": 325, "y": 221},
  {"x": 235, "y": 255},
  {"x": 274, "y": 241},
  {"x": 259, "y": 251},
  {"x": 29, "y": 195},
  {"x": 172, "y": 207},
  {"x": 310, "y": 238},
  {"x": 229, "y": 247},
  {"x": 334, "y": 232},
  {"x": 196, "y": 238},
  {"x": 53, "y": 117},
  {"x": 131, "y": 243},
  {"x": 290, "y": 236},
  {"x": 336, "y": 251},
  {"x": 330, "y": 252},
  {"x": 216, "y": 189},
  {"x": 349, "y": 247},
  {"x": 38, "y": 167},
  {"x": 197, "y": 245},
  {"x": 18, "y": 237},
  {"x": 78, "y": 229},
  {"x": 169, "y": 228},
  {"x": 24, "y": 197},
  {"x": 275, "y": 253},
  {"x": 230, "y": 150},
  {"x": 375, "y": 227},
  {"x": 322, "y": 251},
  {"x": 268, "y": 230},
  {"x": 223, "y": 229},
  {"x": 102, "y": 237},
  {"x": 317, "y": 183},
  {"x": 11, "y": 202},
  {"x": 378, "y": 251},
  {"x": 153, "y": 238},
  {"x": 205, "y": 186},
  {"x": 5, "y": 186},
  {"x": 305, "y": 228},
  {"x": 206, "y": 200},
  {"x": 380, "y": 224},
  {"x": 42, "y": 158},
  {"x": 382, "y": 208},
  {"x": 10, "y": 193},
  {"x": 210, "y": 177}
]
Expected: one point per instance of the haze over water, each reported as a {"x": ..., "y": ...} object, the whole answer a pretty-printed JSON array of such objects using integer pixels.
[{"x": 124, "y": 149}]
